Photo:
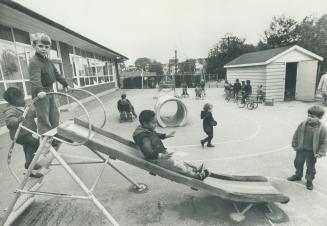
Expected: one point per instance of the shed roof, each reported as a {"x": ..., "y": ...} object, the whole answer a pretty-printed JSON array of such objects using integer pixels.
[{"x": 266, "y": 56}]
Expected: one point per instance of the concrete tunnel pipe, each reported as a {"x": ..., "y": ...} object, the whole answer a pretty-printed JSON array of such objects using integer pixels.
[{"x": 179, "y": 118}]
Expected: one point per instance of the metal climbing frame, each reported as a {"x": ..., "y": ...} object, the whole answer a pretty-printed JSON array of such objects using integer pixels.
[{"x": 29, "y": 187}]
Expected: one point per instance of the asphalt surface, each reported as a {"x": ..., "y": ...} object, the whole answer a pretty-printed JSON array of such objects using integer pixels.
[{"x": 246, "y": 142}]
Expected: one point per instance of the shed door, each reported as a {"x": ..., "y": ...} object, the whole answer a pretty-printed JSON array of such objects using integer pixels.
[{"x": 306, "y": 80}]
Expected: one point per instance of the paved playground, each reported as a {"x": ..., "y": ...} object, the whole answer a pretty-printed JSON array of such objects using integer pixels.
[{"x": 246, "y": 142}]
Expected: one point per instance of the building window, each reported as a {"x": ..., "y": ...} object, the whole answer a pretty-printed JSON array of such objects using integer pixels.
[
  {"x": 9, "y": 61},
  {"x": 5, "y": 33},
  {"x": 22, "y": 36},
  {"x": 25, "y": 53}
]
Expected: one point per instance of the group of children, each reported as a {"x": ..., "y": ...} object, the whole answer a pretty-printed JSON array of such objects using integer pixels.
[
  {"x": 42, "y": 74},
  {"x": 199, "y": 89},
  {"x": 309, "y": 140},
  {"x": 244, "y": 90}
]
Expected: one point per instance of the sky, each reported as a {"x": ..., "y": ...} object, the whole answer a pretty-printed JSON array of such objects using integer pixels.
[{"x": 155, "y": 28}]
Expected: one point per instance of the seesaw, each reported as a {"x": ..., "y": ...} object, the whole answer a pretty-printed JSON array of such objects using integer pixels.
[{"x": 246, "y": 189}]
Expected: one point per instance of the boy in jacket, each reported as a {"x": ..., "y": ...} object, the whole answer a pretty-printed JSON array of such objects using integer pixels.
[
  {"x": 208, "y": 124},
  {"x": 154, "y": 151},
  {"x": 13, "y": 116},
  {"x": 43, "y": 74},
  {"x": 309, "y": 142}
]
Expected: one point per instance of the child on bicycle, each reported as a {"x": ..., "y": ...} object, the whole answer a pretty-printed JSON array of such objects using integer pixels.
[
  {"x": 260, "y": 93},
  {"x": 247, "y": 90},
  {"x": 237, "y": 88}
]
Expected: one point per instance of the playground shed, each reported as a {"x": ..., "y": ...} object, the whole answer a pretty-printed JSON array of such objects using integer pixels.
[{"x": 286, "y": 73}]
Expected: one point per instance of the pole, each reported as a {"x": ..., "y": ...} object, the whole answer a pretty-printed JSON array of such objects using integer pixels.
[
  {"x": 142, "y": 77},
  {"x": 174, "y": 80}
]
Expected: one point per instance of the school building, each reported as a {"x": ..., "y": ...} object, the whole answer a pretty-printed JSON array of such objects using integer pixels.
[
  {"x": 286, "y": 73},
  {"x": 83, "y": 62}
]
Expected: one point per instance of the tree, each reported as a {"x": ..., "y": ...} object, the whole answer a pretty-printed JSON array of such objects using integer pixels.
[
  {"x": 155, "y": 66},
  {"x": 187, "y": 66},
  {"x": 141, "y": 63},
  {"x": 321, "y": 40},
  {"x": 227, "y": 49},
  {"x": 313, "y": 36},
  {"x": 282, "y": 31}
]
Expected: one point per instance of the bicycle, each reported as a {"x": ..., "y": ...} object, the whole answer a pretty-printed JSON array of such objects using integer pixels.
[
  {"x": 249, "y": 102},
  {"x": 229, "y": 95}
]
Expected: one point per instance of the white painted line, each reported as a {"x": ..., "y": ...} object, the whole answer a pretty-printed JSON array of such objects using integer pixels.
[
  {"x": 258, "y": 130},
  {"x": 242, "y": 156}
]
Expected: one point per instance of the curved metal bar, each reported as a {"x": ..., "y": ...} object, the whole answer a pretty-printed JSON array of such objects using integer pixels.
[
  {"x": 98, "y": 99},
  {"x": 20, "y": 126}
]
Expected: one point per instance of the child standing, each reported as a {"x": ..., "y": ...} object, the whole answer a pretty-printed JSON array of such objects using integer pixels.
[
  {"x": 309, "y": 142},
  {"x": 184, "y": 86},
  {"x": 208, "y": 124},
  {"x": 154, "y": 151},
  {"x": 13, "y": 116},
  {"x": 237, "y": 88},
  {"x": 42, "y": 76},
  {"x": 198, "y": 91}
]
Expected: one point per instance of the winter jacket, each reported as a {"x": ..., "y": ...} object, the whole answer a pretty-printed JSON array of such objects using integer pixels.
[
  {"x": 124, "y": 105},
  {"x": 247, "y": 89},
  {"x": 149, "y": 142},
  {"x": 12, "y": 113},
  {"x": 43, "y": 74},
  {"x": 207, "y": 121},
  {"x": 319, "y": 138},
  {"x": 237, "y": 87}
]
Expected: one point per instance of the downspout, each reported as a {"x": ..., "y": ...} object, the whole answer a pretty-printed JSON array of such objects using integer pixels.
[{"x": 117, "y": 73}]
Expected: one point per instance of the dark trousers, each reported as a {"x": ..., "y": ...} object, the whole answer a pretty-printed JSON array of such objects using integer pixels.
[
  {"x": 30, "y": 146},
  {"x": 244, "y": 96},
  {"x": 209, "y": 132},
  {"x": 310, "y": 160}
]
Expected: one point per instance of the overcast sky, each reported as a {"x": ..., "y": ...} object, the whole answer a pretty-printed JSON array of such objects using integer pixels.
[{"x": 155, "y": 28}]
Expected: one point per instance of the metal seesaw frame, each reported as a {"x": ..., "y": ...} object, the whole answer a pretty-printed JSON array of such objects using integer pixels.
[{"x": 17, "y": 206}]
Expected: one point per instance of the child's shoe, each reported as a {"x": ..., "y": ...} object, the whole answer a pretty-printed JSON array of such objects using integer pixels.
[
  {"x": 37, "y": 167},
  {"x": 309, "y": 185},
  {"x": 36, "y": 175},
  {"x": 294, "y": 178},
  {"x": 204, "y": 174},
  {"x": 210, "y": 145},
  {"x": 200, "y": 168},
  {"x": 202, "y": 143}
]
